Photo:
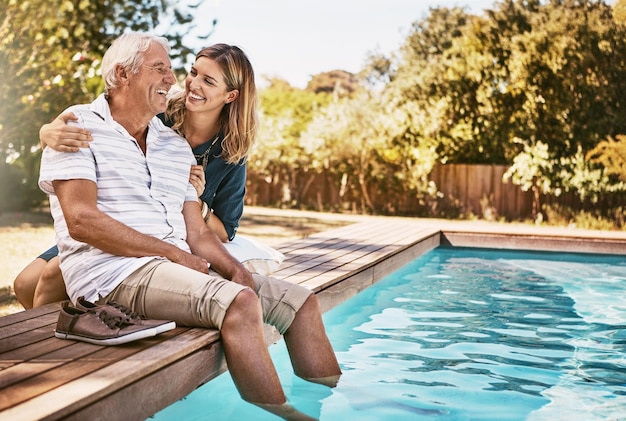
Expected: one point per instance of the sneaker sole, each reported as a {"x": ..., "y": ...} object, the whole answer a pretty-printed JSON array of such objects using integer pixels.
[
  {"x": 141, "y": 334},
  {"x": 165, "y": 327}
]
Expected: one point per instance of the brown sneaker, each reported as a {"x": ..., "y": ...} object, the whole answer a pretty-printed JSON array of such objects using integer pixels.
[
  {"x": 126, "y": 313},
  {"x": 100, "y": 328}
]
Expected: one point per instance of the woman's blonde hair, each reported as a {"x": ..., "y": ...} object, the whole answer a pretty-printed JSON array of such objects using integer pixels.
[{"x": 238, "y": 119}]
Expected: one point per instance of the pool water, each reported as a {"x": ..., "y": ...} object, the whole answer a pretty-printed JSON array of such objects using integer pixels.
[{"x": 463, "y": 334}]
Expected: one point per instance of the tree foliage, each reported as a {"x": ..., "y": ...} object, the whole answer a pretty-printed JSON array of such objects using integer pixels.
[
  {"x": 50, "y": 52},
  {"x": 337, "y": 82},
  {"x": 610, "y": 154},
  {"x": 466, "y": 89},
  {"x": 535, "y": 84},
  {"x": 347, "y": 141},
  {"x": 524, "y": 70},
  {"x": 277, "y": 155},
  {"x": 619, "y": 11}
]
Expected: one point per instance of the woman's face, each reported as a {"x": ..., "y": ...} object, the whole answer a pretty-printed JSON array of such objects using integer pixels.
[{"x": 205, "y": 87}]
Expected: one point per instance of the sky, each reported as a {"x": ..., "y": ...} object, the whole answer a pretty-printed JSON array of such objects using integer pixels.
[{"x": 295, "y": 39}]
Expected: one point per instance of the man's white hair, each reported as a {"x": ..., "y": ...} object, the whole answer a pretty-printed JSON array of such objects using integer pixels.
[{"x": 128, "y": 51}]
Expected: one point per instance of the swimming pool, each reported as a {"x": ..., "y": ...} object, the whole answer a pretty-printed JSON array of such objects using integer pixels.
[{"x": 464, "y": 333}]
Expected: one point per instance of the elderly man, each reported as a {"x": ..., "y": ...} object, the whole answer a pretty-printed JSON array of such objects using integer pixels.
[{"x": 129, "y": 229}]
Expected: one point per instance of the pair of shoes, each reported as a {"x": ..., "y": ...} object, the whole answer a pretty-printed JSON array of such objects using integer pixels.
[
  {"x": 127, "y": 314},
  {"x": 105, "y": 324},
  {"x": 98, "y": 327}
]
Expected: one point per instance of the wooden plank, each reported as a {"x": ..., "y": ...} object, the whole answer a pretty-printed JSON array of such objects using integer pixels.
[
  {"x": 139, "y": 400},
  {"x": 340, "y": 233},
  {"x": 21, "y": 316},
  {"x": 329, "y": 272},
  {"x": 473, "y": 189},
  {"x": 27, "y": 324},
  {"x": 332, "y": 268},
  {"x": 345, "y": 250},
  {"x": 107, "y": 372},
  {"x": 334, "y": 237},
  {"x": 33, "y": 350},
  {"x": 40, "y": 375},
  {"x": 321, "y": 245},
  {"x": 18, "y": 340}
]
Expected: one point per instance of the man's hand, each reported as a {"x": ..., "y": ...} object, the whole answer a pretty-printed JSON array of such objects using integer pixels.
[
  {"x": 203, "y": 242},
  {"x": 194, "y": 262}
]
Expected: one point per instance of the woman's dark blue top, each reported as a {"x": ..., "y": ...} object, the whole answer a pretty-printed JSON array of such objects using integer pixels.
[{"x": 225, "y": 184}]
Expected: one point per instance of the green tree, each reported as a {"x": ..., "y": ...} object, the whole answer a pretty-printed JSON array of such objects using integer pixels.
[
  {"x": 50, "y": 52},
  {"x": 338, "y": 82},
  {"x": 526, "y": 69},
  {"x": 442, "y": 79},
  {"x": 342, "y": 142},
  {"x": 277, "y": 155},
  {"x": 619, "y": 11},
  {"x": 566, "y": 81},
  {"x": 563, "y": 73},
  {"x": 552, "y": 73},
  {"x": 530, "y": 171},
  {"x": 610, "y": 154},
  {"x": 588, "y": 176}
]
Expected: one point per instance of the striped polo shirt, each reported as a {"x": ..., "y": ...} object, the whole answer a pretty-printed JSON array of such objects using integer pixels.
[{"x": 145, "y": 192}]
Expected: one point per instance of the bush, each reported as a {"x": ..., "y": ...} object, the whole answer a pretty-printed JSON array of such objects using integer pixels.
[{"x": 560, "y": 215}]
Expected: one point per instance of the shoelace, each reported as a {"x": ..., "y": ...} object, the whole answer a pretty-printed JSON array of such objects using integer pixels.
[
  {"x": 111, "y": 321},
  {"x": 126, "y": 310}
]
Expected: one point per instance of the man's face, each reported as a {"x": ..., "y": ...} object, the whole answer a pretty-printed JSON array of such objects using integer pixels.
[{"x": 150, "y": 86}]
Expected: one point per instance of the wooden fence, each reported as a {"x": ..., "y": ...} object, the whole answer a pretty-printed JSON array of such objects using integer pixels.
[
  {"x": 468, "y": 189},
  {"x": 479, "y": 190}
]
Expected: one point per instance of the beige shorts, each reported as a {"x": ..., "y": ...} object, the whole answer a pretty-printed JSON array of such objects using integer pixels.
[{"x": 169, "y": 291}]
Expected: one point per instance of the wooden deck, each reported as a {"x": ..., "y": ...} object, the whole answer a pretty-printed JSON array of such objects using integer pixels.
[{"x": 42, "y": 377}]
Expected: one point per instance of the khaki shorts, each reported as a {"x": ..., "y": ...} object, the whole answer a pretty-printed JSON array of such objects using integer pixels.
[{"x": 169, "y": 291}]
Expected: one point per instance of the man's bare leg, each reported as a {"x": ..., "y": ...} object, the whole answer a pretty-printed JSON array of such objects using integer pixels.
[
  {"x": 311, "y": 353},
  {"x": 249, "y": 360}
]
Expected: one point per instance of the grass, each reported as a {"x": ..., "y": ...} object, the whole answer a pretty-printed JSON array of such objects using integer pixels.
[
  {"x": 27, "y": 234},
  {"x": 24, "y": 236}
]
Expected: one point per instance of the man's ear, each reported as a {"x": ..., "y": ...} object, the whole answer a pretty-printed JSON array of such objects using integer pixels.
[
  {"x": 121, "y": 72},
  {"x": 232, "y": 95}
]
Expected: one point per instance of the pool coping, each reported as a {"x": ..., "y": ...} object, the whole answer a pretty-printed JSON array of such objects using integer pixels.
[
  {"x": 80, "y": 380},
  {"x": 475, "y": 235}
]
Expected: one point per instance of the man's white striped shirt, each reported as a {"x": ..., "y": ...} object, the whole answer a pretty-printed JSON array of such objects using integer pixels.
[{"x": 145, "y": 192}]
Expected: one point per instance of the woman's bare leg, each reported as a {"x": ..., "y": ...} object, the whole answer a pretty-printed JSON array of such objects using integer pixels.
[
  {"x": 51, "y": 287},
  {"x": 25, "y": 283}
]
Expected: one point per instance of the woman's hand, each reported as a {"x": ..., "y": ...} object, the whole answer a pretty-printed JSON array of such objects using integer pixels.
[
  {"x": 196, "y": 177},
  {"x": 63, "y": 138}
]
